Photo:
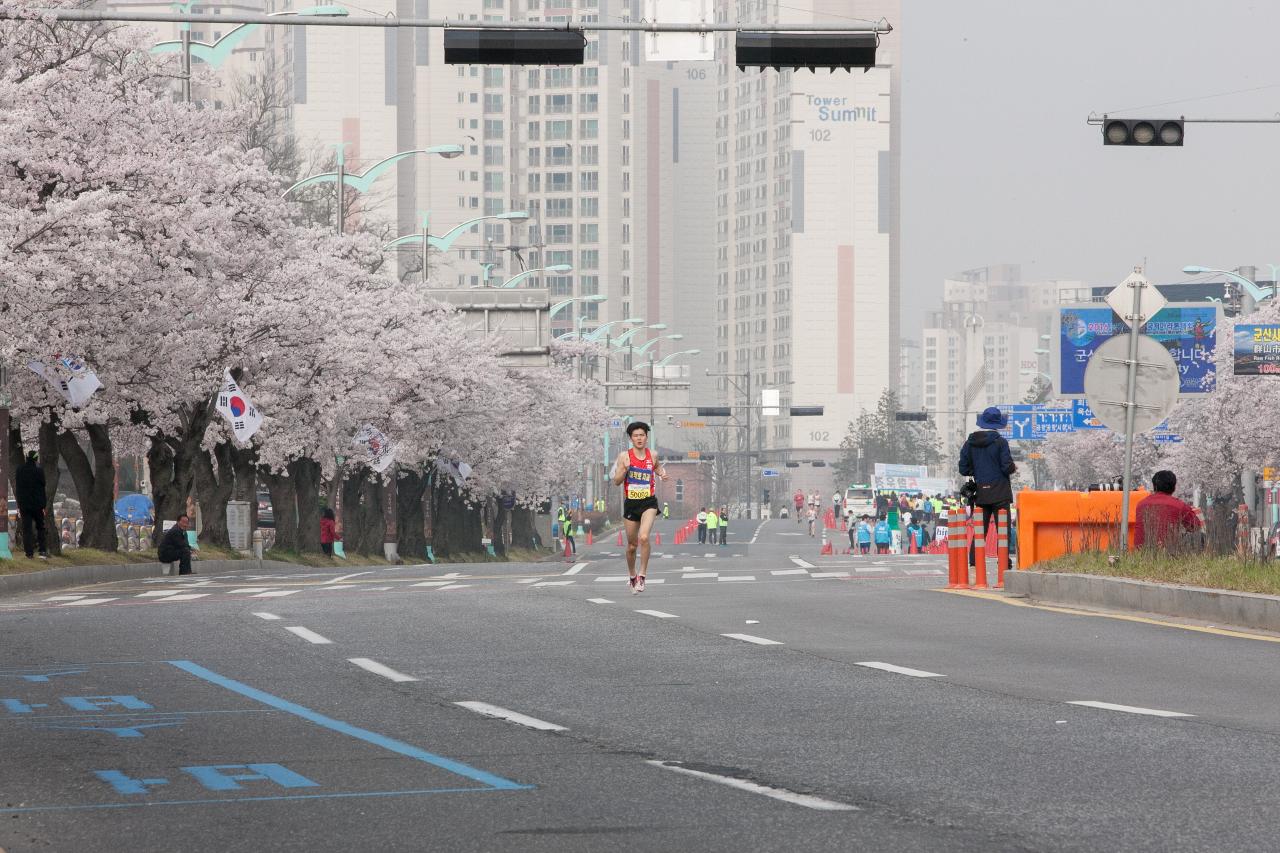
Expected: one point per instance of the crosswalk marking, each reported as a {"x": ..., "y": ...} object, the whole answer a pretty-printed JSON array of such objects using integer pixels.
[
  {"x": 277, "y": 593},
  {"x": 789, "y": 572},
  {"x": 736, "y": 578}
]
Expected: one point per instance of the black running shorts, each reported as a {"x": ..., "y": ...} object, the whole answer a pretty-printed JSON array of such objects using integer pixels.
[{"x": 635, "y": 510}]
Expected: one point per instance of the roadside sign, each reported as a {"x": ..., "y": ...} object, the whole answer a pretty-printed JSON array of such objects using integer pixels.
[
  {"x": 1150, "y": 300},
  {"x": 770, "y": 472},
  {"x": 1035, "y": 421},
  {"x": 616, "y": 423},
  {"x": 1156, "y": 389},
  {"x": 691, "y": 424},
  {"x": 693, "y": 454}
]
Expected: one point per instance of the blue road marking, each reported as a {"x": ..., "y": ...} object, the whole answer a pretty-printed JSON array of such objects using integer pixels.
[
  {"x": 17, "y": 706},
  {"x": 213, "y": 777},
  {"x": 406, "y": 793},
  {"x": 43, "y": 678},
  {"x": 94, "y": 703},
  {"x": 132, "y": 731},
  {"x": 125, "y": 784},
  {"x": 389, "y": 744}
]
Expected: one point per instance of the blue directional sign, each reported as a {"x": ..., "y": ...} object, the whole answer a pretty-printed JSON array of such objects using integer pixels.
[
  {"x": 770, "y": 472},
  {"x": 1082, "y": 418},
  {"x": 1035, "y": 421}
]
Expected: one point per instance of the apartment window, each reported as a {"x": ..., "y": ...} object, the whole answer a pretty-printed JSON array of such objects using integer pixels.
[
  {"x": 494, "y": 128},
  {"x": 535, "y": 156},
  {"x": 559, "y": 104},
  {"x": 558, "y": 78},
  {"x": 559, "y": 208},
  {"x": 589, "y": 233},
  {"x": 591, "y": 53},
  {"x": 535, "y": 105},
  {"x": 588, "y": 103},
  {"x": 589, "y": 154},
  {"x": 626, "y": 290},
  {"x": 559, "y": 155},
  {"x": 492, "y": 75},
  {"x": 493, "y": 182},
  {"x": 493, "y": 4},
  {"x": 590, "y": 181},
  {"x": 560, "y": 285},
  {"x": 560, "y": 256},
  {"x": 535, "y": 131},
  {"x": 559, "y": 234},
  {"x": 626, "y": 232},
  {"x": 493, "y": 155},
  {"x": 589, "y": 207},
  {"x": 588, "y": 128},
  {"x": 559, "y": 182},
  {"x": 590, "y": 259},
  {"x": 492, "y": 102},
  {"x": 560, "y": 129},
  {"x": 588, "y": 76},
  {"x": 535, "y": 182},
  {"x": 589, "y": 285}
]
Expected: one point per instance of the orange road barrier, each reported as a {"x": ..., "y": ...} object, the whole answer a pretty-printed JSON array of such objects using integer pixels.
[
  {"x": 1051, "y": 524},
  {"x": 1002, "y": 546},
  {"x": 589, "y": 539},
  {"x": 979, "y": 559},
  {"x": 619, "y": 537},
  {"x": 957, "y": 556}
]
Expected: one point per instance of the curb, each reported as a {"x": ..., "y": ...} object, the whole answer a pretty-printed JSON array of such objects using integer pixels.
[
  {"x": 65, "y": 576},
  {"x": 1216, "y": 606}
]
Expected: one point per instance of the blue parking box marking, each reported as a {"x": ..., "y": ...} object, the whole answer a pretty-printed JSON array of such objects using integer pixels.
[
  {"x": 42, "y": 677},
  {"x": 389, "y": 744},
  {"x": 17, "y": 706},
  {"x": 217, "y": 777},
  {"x": 125, "y": 784},
  {"x": 97, "y": 703}
]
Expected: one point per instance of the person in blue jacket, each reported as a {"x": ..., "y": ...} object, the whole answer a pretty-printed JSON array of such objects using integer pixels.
[
  {"x": 883, "y": 537},
  {"x": 915, "y": 533},
  {"x": 864, "y": 534}
]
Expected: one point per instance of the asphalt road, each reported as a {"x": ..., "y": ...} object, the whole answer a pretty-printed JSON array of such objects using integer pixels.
[{"x": 755, "y": 697}]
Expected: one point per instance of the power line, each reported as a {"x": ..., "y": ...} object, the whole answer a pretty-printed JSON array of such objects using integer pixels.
[{"x": 1196, "y": 98}]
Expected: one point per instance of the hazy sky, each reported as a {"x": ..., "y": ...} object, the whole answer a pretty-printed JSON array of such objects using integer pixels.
[{"x": 999, "y": 165}]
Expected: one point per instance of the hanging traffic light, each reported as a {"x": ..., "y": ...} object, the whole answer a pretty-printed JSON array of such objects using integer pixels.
[
  {"x": 1142, "y": 131},
  {"x": 806, "y": 50},
  {"x": 513, "y": 47}
]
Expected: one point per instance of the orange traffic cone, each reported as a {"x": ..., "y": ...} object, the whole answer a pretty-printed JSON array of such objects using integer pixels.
[
  {"x": 827, "y": 550},
  {"x": 568, "y": 552},
  {"x": 657, "y": 538},
  {"x": 619, "y": 537},
  {"x": 589, "y": 540}
]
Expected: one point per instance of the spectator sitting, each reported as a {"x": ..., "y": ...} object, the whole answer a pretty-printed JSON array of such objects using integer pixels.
[
  {"x": 174, "y": 547},
  {"x": 1162, "y": 518}
]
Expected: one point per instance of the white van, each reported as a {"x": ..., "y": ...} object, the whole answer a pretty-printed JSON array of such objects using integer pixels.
[{"x": 859, "y": 500}]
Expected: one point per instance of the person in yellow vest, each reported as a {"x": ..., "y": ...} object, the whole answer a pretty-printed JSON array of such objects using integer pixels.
[{"x": 713, "y": 523}]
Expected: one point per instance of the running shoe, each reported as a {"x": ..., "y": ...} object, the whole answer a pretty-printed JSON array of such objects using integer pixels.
[
  {"x": 639, "y": 583},
  {"x": 631, "y": 582}
]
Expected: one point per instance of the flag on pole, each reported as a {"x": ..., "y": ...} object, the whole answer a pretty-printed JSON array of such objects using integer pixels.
[
  {"x": 70, "y": 376},
  {"x": 378, "y": 451},
  {"x": 459, "y": 471},
  {"x": 238, "y": 409}
]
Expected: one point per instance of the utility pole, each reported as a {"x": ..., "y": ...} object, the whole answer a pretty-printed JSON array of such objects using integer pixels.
[
  {"x": 751, "y": 488},
  {"x": 186, "y": 64},
  {"x": 5, "y": 553}
]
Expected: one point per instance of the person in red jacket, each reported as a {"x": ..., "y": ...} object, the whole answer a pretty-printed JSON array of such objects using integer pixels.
[
  {"x": 1162, "y": 519},
  {"x": 328, "y": 531}
]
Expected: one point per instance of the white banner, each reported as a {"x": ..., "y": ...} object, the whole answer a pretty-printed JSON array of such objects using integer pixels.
[
  {"x": 70, "y": 376},
  {"x": 459, "y": 471},
  {"x": 378, "y": 451},
  {"x": 238, "y": 409}
]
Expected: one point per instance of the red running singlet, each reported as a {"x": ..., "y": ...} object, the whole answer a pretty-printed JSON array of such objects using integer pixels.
[{"x": 639, "y": 483}]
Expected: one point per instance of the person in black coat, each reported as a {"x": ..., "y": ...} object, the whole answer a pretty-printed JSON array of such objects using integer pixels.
[
  {"x": 174, "y": 547},
  {"x": 986, "y": 458},
  {"x": 30, "y": 497}
]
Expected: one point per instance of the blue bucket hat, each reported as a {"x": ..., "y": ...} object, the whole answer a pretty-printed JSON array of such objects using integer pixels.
[{"x": 992, "y": 418}]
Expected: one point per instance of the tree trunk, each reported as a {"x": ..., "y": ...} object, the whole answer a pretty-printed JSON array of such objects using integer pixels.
[
  {"x": 349, "y": 519},
  {"x": 213, "y": 490},
  {"x": 53, "y": 473},
  {"x": 523, "y": 525},
  {"x": 456, "y": 526},
  {"x": 170, "y": 459},
  {"x": 284, "y": 505},
  {"x": 16, "y": 455},
  {"x": 371, "y": 519},
  {"x": 244, "y": 465},
  {"x": 410, "y": 517},
  {"x": 305, "y": 474},
  {"x": 95, "y": 482}
]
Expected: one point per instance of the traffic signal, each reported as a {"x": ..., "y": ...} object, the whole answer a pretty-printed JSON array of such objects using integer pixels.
[
  {"x": 806, "y": 50},
  {"x": 1142, "y": 131},
  {"x": 766, "y": 495},
  {"x": 714, "y": 411},
  {"x": 806, "y": 411},
  {"x": 513, "y": 47},
  {"x": 911, "y": 416},
  {"x": 793, "y": 464}
]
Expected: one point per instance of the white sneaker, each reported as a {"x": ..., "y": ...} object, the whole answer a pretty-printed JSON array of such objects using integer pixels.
[
  {"x": 632, "y": 583},
  {"x": 639, "y": 583}
]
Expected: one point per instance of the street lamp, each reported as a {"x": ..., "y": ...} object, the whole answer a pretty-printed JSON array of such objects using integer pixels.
[
  {"x": 1256, "y": 294},
  {"x": 519, "y": 277},
  {"x": 445, "y": 242},
  {"x": 641, "y": 349},
  {"x": 559, "y": 306},
  {"x": 595, "y": 333},
  {"x": 365, "y": 179},
  {"x": 626, "y": 336},
  {"x": 667, "y": 360}
]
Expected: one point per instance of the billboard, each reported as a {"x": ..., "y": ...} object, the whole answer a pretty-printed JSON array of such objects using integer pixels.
[
  {"x": 1257, "y": 350},
  {"x": 1187, "y": 330}
]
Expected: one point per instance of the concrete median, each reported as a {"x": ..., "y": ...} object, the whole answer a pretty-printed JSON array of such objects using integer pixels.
[{"x": 1216, "y": 606}]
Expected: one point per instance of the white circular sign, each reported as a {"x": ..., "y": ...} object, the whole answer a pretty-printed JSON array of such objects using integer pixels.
[{"x": 1107, "y": 377}]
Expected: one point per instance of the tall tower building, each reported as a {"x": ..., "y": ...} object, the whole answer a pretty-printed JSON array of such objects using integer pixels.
[{"x": 807, "y": 233}]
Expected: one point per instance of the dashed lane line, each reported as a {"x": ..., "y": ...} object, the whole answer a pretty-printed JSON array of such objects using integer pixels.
[
  {"x": 1130, "y": 709},
  {"x": 789, "y": 572},
  {"x": 270, "y": 617},
  {"x": 511, "y": 716},
  {"x": 804, "y": 564},
  {"x": 600, "y": 601},
  {"x": 309, "y": 635},
  {"x": 347, "y": 577},
  {"x": 575, "y": 568},
  {"x": 277, "y": 593},
  {"x": 658, "y": 614},
  {"x": 87, "y": 601},
  {"x": 900, "y": 670},
  {"x": 699, "y": 575},
  {"x": 380, "y": 669},
  {"x": 554, "y": 583},
  {"x": 189, "y": 596},
  {"x": 736, "y": 578},
  {"x": 751, "y": 638},
  {"x": 807, "y": 800}
]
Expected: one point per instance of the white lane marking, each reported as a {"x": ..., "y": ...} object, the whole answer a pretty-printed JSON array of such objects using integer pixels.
[
  {"x": 270, "y": 617},
  {"x": 924, "y": 571},
  {"x": 737, "y": 577},
  {"x": 753, "y": 621},
  {"x": 87, "y": 601},
  {"x": 801, "y": 563},
  {"x": 790, "y": 572},
  {"x": 248, "y": 589},
  {"x": 277, "y": 593},
  {"x": 574, "y": 569},
  {"x": 554, "y": 583},
  {"x": 712, "y": 554},
  {"x": 157, "y": 593},
  {"x": 695, "y": 575},
  {"x": 189, "y": 596},
  {"x": 347, "y": 577},
  {"x": 1130, "y": 709},
  {"x": 806, "y": 800},
  {"x": 454, "y": 575},
  {"x": 790, "y": 534},
  {"x": 378, "y": 588},
  {"x": 866, "y": 569},
  {"x": 757, "y": 533},
  {"x": 900, "y": 670},
  {"x": 327, "y": 587},
  {"x": 528, "y": 580},
  {"x": 511, "y": 716},
  {"x": 829, "y": 575},
  {"x": 659, "y": 614},
  {"x": 599, "y": 601},
  {"x": 613, "y": 578},
  {"x": 668, "y": 556},
  {"x": 455, "y": 586},
  {"x": 380, "y": 669},
  {"x": 432, "y": 583},
  {"x": 65, "y": 597},
  {"x": 688, "y": 568},
  {"x": 751, "y": 638},
  {"x": 309, "y": 635}
]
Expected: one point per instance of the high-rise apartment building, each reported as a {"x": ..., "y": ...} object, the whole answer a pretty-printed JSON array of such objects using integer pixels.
[{"x": 807, "y": 233}]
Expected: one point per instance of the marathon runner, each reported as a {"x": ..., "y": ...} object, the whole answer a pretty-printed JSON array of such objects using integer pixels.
[{"x": 634, "y": 470}]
